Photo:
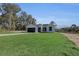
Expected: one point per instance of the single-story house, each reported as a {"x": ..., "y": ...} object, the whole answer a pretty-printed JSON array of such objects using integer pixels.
[{"x": 40, "y": 28}]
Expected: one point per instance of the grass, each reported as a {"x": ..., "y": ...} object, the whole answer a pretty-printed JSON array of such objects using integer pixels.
[
  {"x": 12, "y": 32},
  {"x": 6, "y": 33},
  {"x": 39, "y": 44}
]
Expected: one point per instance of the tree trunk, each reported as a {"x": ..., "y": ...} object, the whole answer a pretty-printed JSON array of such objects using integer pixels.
[{"x": 10, "y": 21}]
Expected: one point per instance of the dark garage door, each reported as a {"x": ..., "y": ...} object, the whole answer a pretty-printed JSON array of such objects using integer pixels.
[{"x": 31, "y": 30}]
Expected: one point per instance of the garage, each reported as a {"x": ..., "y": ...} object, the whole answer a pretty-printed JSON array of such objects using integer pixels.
[{"x": 31, "y": 30}]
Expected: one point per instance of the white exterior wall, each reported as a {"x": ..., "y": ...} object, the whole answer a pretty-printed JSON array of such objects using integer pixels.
[
  {"x": 53, "y": 29},
  {"x": 41, "y": 29},
  {"x": 47, "y": 28},
  {"x": 36, "y": 27}
]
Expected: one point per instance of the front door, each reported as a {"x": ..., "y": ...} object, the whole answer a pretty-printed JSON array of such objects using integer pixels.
[{"x": 44, "y": 29}]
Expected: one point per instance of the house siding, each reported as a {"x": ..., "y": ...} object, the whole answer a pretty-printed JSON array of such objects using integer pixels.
[{"x": 41, "y": 26}]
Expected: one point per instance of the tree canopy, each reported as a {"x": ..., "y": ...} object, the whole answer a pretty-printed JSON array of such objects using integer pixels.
[{"x": 9, "y": 18}]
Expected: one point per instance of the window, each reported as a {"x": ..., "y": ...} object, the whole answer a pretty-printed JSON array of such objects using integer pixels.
[
  {"x": 39, "y": 29},
  {"x": 50, "y": 28}
]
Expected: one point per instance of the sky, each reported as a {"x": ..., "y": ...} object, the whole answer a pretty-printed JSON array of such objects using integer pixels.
[{"x": 61, "y": 14}]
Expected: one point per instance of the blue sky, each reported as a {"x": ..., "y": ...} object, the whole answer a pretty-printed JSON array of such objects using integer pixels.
[{"x": 62, "y": 14}]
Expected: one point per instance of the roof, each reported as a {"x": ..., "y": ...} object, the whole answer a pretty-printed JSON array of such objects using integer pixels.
[
  {"x": 46, "y": 25},
  {"x": 39, "y": 25}
]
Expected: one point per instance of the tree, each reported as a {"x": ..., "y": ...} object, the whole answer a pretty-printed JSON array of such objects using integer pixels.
[
  {"x": 3, "y": 21},
  {"x": 73, "y": 27},
  {"x": 31, "y": 20},
  {"x": 10, "y": 19},
  {"x": 10, "y": 10},
  {"x": 24, "y": 19},
  {"x": 53, "y": 23}
]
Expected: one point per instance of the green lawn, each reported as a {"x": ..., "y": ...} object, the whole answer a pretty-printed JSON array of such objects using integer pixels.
[
  {"x": 37, "y": 44},
  {"x": 10, "y": 32},
  {"x": 7, "y": 32}
]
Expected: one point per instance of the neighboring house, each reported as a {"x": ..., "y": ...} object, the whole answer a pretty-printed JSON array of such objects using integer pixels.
[{"x": 40, "y": 28}]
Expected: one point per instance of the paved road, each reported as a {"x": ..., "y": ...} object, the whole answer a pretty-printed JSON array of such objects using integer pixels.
[{"x": 73, "y": 37}]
